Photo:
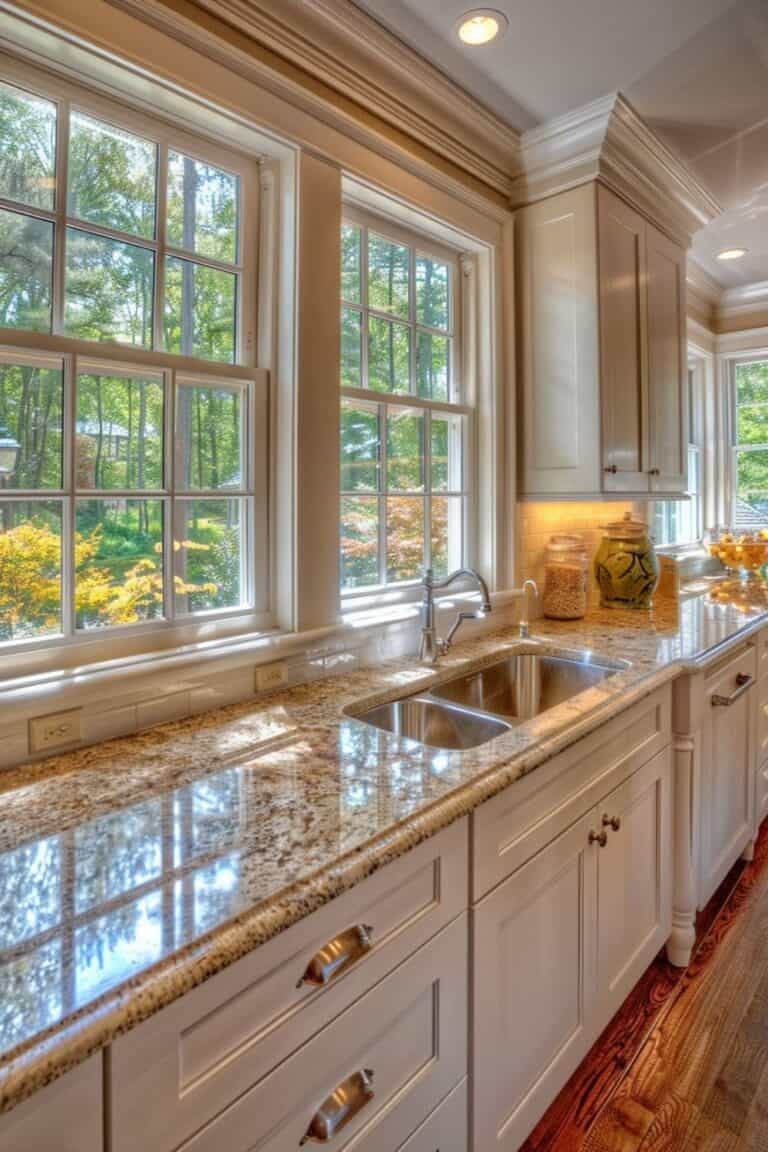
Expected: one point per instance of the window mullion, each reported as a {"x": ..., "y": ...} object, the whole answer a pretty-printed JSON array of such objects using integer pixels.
[
  {"x": 161, "y": 200},
  {"x": 60, "y": 228}
]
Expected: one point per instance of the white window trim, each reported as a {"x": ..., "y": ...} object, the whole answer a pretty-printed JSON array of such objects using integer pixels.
[
  {"x": 420, "y": 242},
  {"x": 702, "y": 364},
  {"x": 34, "y": 655}
]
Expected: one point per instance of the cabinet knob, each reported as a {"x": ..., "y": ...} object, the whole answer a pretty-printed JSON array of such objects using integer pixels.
[
  {"x": 612, "y": 468},
  {"x": 654, "y": 471},
  {"x": 611, "y": 822},
  {"x": 600, "y": 838}
]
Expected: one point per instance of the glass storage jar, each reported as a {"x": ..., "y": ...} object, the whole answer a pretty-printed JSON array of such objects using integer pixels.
[{"x": 566, "y": 578}]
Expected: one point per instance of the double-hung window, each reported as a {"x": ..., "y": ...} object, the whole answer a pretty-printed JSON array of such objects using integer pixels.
[
  {"x": 680, "y": 522},
  {"x": 132, "y": 429},
  {"x": 750, "y": 444},
  {"x": 405, "y": 423}
]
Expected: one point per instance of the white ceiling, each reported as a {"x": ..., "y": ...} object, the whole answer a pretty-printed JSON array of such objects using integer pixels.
[{"x": 696, "y": 70}]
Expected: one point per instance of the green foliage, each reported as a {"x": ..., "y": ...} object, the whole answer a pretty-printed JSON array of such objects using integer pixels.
[
  {"x": 27, "y": 147},
  {"x": 752, "y": 429},
  {"x": 31, "y": 410},
  {"x": 26, "y": 267}
]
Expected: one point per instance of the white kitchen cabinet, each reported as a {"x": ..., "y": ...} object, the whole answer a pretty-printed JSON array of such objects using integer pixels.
[
  {"x": 66, "y": 1116},
  {"x": 558, "y": 946},
  {"x": 534, "y": 985},
  {"x": 602, "y": 349},
  {"x": 727, "y": 813},
  {"x": 634, "y": 869}
]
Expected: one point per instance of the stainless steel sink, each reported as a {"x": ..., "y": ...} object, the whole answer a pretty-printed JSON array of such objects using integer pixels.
[
  {"x": 433, "y": 723},
  {"x": 524, "y": 685}
]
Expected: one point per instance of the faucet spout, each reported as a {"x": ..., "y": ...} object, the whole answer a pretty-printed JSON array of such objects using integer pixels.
[
  {"x": 524, "y": 626},
  {"x": 430, "y": 645}
]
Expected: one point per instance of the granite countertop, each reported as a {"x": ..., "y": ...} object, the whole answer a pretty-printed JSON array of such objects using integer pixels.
[{"x": 132, "y": 870}]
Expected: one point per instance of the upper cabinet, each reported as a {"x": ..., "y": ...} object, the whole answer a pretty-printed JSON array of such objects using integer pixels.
[{"x": 602, "y": 349}]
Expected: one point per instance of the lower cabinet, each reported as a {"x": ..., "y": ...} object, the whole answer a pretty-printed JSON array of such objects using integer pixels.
[
  {"x": 727, "y": 769},
  {"x": 369, "y": 1078},
  {"x": 66, "y": 1116},
  {"x": 557, "y": 947}
]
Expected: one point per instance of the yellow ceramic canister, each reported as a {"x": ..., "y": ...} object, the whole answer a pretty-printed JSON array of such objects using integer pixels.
[{"x": 626, "y": 567}]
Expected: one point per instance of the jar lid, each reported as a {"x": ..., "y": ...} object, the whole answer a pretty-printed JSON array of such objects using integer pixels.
[
  {"x": 566, "y": 542},
  {"x": 627, "y": 528}
]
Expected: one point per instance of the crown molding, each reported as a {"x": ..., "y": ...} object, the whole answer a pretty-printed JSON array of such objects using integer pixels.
[
  {"x": 744, "y": 300},
  {"x": 703, "y": 284},
  {"x": 349, "y": 52},
  {"x": 750, "y": 340},
  {"x": 607, "y": 140}
]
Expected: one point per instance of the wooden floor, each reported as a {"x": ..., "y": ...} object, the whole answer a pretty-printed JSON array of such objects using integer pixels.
[{"x": 684, "y": 1066}]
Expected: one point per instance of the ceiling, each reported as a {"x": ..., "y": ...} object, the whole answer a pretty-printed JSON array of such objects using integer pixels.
[{"x": 696, "y": 70}]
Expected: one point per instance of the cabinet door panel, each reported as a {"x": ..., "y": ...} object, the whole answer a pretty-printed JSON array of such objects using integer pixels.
[
  {"x": 534, "y": 987},
  {"x": 634, "y": 872},
  {"x": 667, "y": 364},
  {"x": 728, "y": 773},
  {"x": 623, "y": 368}
]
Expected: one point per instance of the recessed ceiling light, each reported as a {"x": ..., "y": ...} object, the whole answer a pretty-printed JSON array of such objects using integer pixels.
[
  {"x": 480, "y": 26},
  {"x": 731, "y": 253}
]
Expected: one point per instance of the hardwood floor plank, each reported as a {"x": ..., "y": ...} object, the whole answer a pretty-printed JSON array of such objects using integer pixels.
[{"x": 678, "y": 1126}]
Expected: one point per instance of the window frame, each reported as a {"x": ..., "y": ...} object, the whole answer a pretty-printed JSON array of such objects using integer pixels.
[
  {"x": 419, "y": 243},
  {"x": 759, "y": 356},
  {"x": 55, "y": 348},
  {"x": 695, "y": 446}
]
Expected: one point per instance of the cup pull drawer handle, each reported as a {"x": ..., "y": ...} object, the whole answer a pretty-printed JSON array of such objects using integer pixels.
[
  {"x": 330, "y": 960},
  {"x": 744, "y": 682},
  {"x": 340, "y": 1107}
]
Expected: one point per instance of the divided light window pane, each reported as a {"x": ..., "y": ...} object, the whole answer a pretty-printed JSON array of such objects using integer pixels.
[
  {"x": 31, "y": 413},
  {"x": 111, "y": 177},
  {"x": 389, "y": 356},
  {"x": 200, "y": 310},
  {"x": 202, "y": 208},
  {"x": 751, "y": 429},
  {"x": 26, "y": 272},
  {"x": 351, "y": 265},
  {"x": 389, "y": 275},
  {"x": 118, "y": 432},
  {"x": 359, "y": 541},
  {"x": 27, "y": 147},
  {"x": 432, "y": 293},
  {"x": 108, "y": 289},
  {"x": 359, "y": 447},
  {"x": 209, "y": 438},
  {"x": 118, "y": 562},
  {"x": 30, "y": 569},
  {"x": 208, "y": 544}
]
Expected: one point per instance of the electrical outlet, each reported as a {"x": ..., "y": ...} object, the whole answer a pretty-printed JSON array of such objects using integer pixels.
[
  {"x": 55, "y": 731},
  {"x": 271, "y": 676}
]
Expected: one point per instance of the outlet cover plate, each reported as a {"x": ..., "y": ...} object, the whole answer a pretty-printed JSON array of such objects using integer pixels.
[
  {"x": 58, "y": 730},
  {"x": 270, "y": 676}
]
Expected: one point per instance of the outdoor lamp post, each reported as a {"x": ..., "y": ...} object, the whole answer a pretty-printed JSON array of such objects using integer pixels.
[{"x": 9, "y": 454}]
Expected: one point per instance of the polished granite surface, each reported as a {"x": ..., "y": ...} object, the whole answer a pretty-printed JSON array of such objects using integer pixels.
[{"x": 131, "y": 871}]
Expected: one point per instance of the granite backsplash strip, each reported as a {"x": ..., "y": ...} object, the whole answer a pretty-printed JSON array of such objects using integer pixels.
[{"x": 133, "y": 870}]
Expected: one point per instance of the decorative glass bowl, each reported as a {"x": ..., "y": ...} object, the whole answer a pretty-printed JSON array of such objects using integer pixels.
[{"x": 741, "y": 553}]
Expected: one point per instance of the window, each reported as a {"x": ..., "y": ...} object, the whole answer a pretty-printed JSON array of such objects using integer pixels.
[
  {"x": 107, "y": 234},
  {"x": 404, "y": 429},
  {"x": 133, "y": 474},
  {"x": 682, "y": 521},
  {"x": 750, "y": 432}
]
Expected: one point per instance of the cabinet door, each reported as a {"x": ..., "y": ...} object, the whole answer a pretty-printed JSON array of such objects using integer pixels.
[
  {"x": 65, "y": 1116},
  {"x": 534, "y": 986},
  {"x": 667, "y": 364},
  {"x": 634, "y": 881},
  {"x": 727, "y": 769},
  {"x": 623, "y": 365}
]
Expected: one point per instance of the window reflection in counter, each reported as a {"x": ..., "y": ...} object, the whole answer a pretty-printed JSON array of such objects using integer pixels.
[
  {"x": 117, "y": 853},
  {"x": 30, "y": 890},
  {"x": 30, "y": 993},
  {"x": 113, "y": 947}
]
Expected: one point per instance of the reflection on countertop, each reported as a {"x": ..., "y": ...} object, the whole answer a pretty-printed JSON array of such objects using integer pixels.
[{"x": 131, "y": 871}]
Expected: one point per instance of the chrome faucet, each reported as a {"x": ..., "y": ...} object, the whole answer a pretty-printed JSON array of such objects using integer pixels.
[
  {"x": 430, "y": 645},
  {"x": 524, "y": 628}
]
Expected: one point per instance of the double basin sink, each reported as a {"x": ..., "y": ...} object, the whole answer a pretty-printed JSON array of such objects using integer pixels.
[{"x": 475, "y": 707}]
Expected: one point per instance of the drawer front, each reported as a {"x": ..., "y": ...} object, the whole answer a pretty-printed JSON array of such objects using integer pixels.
[
  {"x": 66, "y": 1116},
  {"x": 762, "y": 721},
  {"x": 761, "y": 643},
  {"x": 182, "y": 1067},
  {"x": 446, "y": 1130},
  {"x": 388, "y": 1060},
  {"x": 513, "y": 826}
]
